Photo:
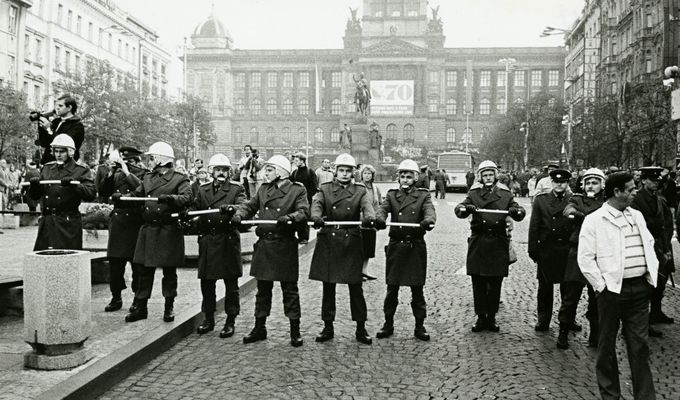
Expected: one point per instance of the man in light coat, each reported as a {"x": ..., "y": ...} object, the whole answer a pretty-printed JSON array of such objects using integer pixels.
[{"x": 616, "y": 255}]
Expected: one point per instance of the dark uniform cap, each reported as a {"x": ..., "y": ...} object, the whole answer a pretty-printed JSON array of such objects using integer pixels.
[
  {"x": 129, "y": 152},
  {"x": 652, "y": 173},
  {"x": 560, "y": 175},
  {"x": 552, "y": 164}
]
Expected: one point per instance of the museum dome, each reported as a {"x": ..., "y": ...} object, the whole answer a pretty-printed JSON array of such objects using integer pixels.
[{"x": 212, "y": 28}]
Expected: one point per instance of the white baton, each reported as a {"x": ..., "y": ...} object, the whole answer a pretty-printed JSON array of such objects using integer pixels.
[
  {"x": 405, "y": 224},
  {"x": 482, "y": 210},
  {"x": 337, "y": 223},
  {"x": 50, "y": 182},
  {"x": 262, "y": 222},
  {"x": 198, "y": 212},
  {"x": 124, "y": 198}
]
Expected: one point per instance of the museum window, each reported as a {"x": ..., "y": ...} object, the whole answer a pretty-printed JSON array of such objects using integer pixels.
[
  {"x": 255, "y": 80},
  {"x": 536, "y": 78},
  {"x": 500, "y": 105},
  {"x": 336, "y": 107},
  {"x": 433, "y": 77},
  {"x": 409, "y": 135},
  {"x": 451, "y": 107},
  {"x": 288, "y": 79},
  {"x": 287, "y": 107},
  {"x": 236, "y": 135},
  {"x": 391, "y": 134},
  {"x": 60, "y": 13},
  {"x": 451, "y": 78},
  {"x": 254, "y": 136},
  {"x": 553, "y": 78},
  {"x": 432, "y": 105},
  {"x": 255, "y": 107},
  {"x": 450, "y": 135},
  {"x": 271, "y": 107},
  {"x": 485, "y": 107},
  {"x": 304, "y": 79},
  {"x": 240, "y": 80},
  {"x": 302, "y": 135},
  {"x": 467, "y": 135},
  {"x": 303, "y": 107},
  {"x": 336, "y": 79},
  {"x": 335, "y": 135},
  {"x": 318, "y": 136},
  {"x": 485, "y": 79},
  {"x": 285, "y": 135},
  {"x": 271, "y": 79},
  {"x": 269, "y": 135},
  {"x": 519, "y": 78},
  {"x": 501, "y": 78}
]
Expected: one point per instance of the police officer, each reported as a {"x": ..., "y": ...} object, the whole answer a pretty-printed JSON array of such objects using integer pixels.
[
  {"x": 659, "y": 221},
  {"x": 580, "y": 205},
  {"x": 60, "y": 226},
  {"x": 549, "y": 232},
  {"x": 406, "y": 253},
  {"x": 161, "y": 240},
  {"x": 275, "y": 256},
  {"x": 219, "y": 243},
  {"x": 338, "y": 255},
  {"x": 488, "y": 254},
  {"x": 124, "y": 176}
]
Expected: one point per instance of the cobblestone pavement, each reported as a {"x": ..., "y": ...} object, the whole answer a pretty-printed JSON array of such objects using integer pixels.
[{"x": 516, "y": 363}]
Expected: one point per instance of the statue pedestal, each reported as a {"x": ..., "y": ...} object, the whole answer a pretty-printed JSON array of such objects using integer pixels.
[{"x": 361, "y": 141}]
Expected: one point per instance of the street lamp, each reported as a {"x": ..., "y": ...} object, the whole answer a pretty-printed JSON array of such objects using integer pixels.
[
  {"x": 550, "y": 31},
  {"x": 508, "y": 62},
  {"x": 524, "y": 128},
  {"x": 307, "y": 138}
]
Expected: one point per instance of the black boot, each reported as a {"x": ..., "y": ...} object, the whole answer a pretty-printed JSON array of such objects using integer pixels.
[
  {"x": 326, "y": 333},
  {"x": 563, "y": 337},
  {"x": 133, "y": 306},
  {"x": 115, "y": 304},
  {"x": 207, "y": 325},
  {"x": 420, "y": 332},
  {"x": 258, "y": 333},
  {"x": 387, "y": 329},
  {"x": 361, "y": 334},
  {"x": 491, "y": 324},
  {"x": 593, "y": 335},
  {"x": 295, "y": 338},
  {"x": 169, "y": 311},
  {"x": 653, "y": 332},
  {"x": 658, "y": 317},
  {"x": 228, "y": 330},
  {"x": 542, "y": 326},
  {"x": 574, "y": 327},
  {"x": 480, "y": 324},
  {"x": 138, "y": 313}
]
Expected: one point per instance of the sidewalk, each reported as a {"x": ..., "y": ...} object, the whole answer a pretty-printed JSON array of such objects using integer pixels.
[{"x": 112, "y": 341}]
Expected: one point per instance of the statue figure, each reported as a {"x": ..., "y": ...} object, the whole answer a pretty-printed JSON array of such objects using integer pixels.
[
  {"x": 362, "y": 97},
  {"x": 353, "y": 23},
  {"x": 393, "y": 30},
  {"x": 435, "y": 25},
  {"x": 374, "y": 132},
  {"x": 435, "y": 13},
  {"x": 346, "y": 138}
]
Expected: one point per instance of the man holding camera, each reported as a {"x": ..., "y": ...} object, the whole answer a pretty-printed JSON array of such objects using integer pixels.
[{"x": 65, "y": 122}]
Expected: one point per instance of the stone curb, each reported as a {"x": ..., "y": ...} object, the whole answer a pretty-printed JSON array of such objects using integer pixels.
[{"x": 97, "y": 378}]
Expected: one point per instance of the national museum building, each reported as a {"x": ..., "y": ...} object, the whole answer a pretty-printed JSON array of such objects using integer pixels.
[{"x": 424, "y": 95}]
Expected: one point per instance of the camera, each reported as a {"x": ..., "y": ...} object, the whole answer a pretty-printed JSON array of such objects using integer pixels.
[{"x": 34, "y": 116}]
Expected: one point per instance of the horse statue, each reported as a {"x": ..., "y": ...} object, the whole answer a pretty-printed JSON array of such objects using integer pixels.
[{"x": 362, "y": 97}]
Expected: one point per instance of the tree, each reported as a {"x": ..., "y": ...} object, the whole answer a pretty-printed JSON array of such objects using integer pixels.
[
  {"x": 16, "y": 135},
  {"x": 188, "y": 115}
]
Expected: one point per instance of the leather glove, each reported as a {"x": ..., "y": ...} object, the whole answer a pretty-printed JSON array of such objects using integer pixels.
[
  {"x": 283, "y": 220},
  {"x": 380, "y": 224},
  {"x": 184, "y": 215},
  {"x": 166, "y": 198},
  {"x": 470, "y": 208},
  {"x": 578, "y": 216},
  {"x": 66, "y": 181},
  {"x": 35, "y": 182},
  {"x": 115, "y": 198},
  {"x": 516, "y": 213},
  {"x": 227, "y": 209},
  {"x": 236, "y": 220},
  {"x": 318, "y": 222},
  {"x": 427, "y": 225},
  {"x": 533, "y": 256},
  {"x": 368, "y": 223}
]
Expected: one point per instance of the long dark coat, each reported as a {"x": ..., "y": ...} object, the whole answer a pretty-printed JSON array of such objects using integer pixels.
[
  {"x": 275, "y": 254},
  {"x": 126, "y": 218},
  {"x": 489, "y": 245},
  {"x": 219, "y": 242},
  {"x": 549, "y": 233},
  {"x": 659, "y": 222},
  {"x": 406, "y": 253},
  {"x": 60, "y": 226},
  {"x": 579, "y": 206},
  {"x": 161, "y": 239},
  {"x": 338, "y": 255}
]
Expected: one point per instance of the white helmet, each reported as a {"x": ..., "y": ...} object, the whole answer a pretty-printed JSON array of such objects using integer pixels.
[
  {"x": 593, "y": 173},
  {"x": 64, "y": 140},
  {"x": 282, "y": 165},
  {"x": 219, "y": 160},
  {"x": 346, "y": 160},
  {"x": 161, "y": 149},
  {"x": 484, "y": 165},
  {"x": 408, "y": 165}
]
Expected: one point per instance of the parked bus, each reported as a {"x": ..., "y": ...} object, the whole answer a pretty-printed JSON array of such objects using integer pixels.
[{"x": 456, "y": 164}]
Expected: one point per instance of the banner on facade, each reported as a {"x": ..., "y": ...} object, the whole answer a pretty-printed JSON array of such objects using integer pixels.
[
  {"x": 675, "y": 104},
  {"x": 391, "y": 97}
]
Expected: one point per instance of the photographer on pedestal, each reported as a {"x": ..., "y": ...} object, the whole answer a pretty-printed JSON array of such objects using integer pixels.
[{"x": 64, "y": 121}]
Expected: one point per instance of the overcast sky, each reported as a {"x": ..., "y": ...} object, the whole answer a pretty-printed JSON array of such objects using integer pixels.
[{"x": 320, "y": 24}]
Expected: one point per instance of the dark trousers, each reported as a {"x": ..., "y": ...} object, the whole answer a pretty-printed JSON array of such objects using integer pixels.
[
  {"x": 418, "y": 305},
  {"x": 303, "y": 231},
  {"x": 570, "y": 294},
  {"x": 357, "y": 303},
  {"x": 169, "y": 282},
  {"x": 592, "y": 315},
  {"x": 291, "y": 299},
  {"x": 440, "y": 188},
  {"x": 232, "y": 304},
  {"x": 246, "y": 186},
  {"x": 117, "y": 275},
  {"x": 544, "y": 299},
  {"x": 486, "y": 291},
  {"x": 631, "y": 309},
  {"x": 657, "y": 293}
]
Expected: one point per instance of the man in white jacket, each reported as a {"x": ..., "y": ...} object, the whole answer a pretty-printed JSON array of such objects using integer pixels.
[{"x": 616, "y": 256}]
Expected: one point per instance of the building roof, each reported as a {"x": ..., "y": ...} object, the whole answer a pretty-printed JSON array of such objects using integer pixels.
[{"x": 212, "y": 28}]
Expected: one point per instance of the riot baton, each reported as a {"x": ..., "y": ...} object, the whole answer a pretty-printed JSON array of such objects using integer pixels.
[
  {"x": 262, "y": 222},
  {"x": 405, "y": 224},
  {"x": 337, "y": 223},
  {"x": 50, "y": 182},
  {"x": 198, "y": 212},
  {"x": 19, "y": 212},
  {"x": 125, "y": 198}
]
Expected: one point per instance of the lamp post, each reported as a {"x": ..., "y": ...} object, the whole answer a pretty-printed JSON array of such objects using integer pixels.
[
  {"x": 307, "y": 138},
  {"x": 524, "y": 128},
  {"x": 508, "y": 62}
]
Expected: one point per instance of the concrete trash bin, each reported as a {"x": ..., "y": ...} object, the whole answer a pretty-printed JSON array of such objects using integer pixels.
[{"x": 57, "y": 308}]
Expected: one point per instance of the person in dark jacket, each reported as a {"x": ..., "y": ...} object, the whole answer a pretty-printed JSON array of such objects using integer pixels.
[
  {"x": 580, "y": 205},
  {"x": 488, "y": 256},
  {"x": 441, "y": 178},
  {"x": 100, "y": 173},
  {"x": 338, "y": 255},
  {"x": 423, "y": 181},
  {"x": 275, "y": 255},
  {"x": 406, "y": 253},
  {"x": 66, "y": 122},
  {"x": 31, "y": 172},
  {"x": 124, "y": 176},
  {"x": 160, "y": 243},
  {"x": 307, "y": 178},
  {"x": 659, "y": 221},
  {"x": 60, "y": 226},
  {"x": 549, "y": 233},
  {"x": 219, "y": 243}
]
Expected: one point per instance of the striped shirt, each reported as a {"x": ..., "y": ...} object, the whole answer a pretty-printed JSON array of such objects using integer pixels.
[{"x": 634, "y": 262}]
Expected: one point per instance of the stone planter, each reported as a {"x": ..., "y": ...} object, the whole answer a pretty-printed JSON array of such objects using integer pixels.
[{"x": 57, "y": 308}]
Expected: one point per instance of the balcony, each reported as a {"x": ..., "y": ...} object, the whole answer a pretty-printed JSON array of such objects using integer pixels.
[{"x": 609, "y": 60}]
